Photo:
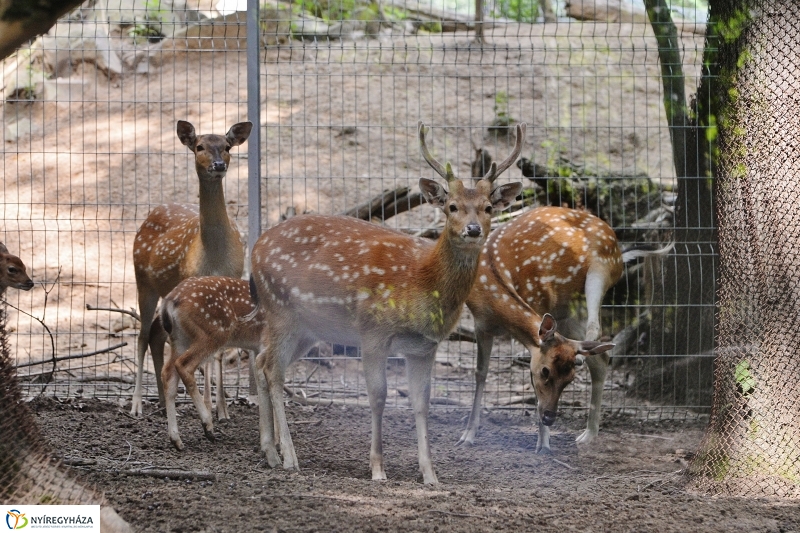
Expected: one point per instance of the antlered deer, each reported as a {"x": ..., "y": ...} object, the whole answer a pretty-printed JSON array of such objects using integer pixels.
[
  {"x": 203, "y": 316},
  {"x": 351, "y": 282},
  {"x": 12, "y": 272},
  {"x": 179, "y": 241},
  {"x": 538, "y": 262}
]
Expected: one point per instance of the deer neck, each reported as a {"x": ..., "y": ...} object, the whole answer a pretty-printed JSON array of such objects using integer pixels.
[
  {"x": 215, "y": 226},
  {"x": 449, "y": 271}
]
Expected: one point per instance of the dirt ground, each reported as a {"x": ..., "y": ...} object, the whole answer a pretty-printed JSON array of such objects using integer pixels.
[{"x": 629, "y": 479}]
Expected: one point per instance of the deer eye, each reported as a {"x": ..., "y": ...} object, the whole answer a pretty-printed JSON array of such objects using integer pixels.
[
  {"x": 453, "y": 208},
  {"x": 228, "y": 148},
  {"x": 545, "y": 373},
  {"x": 488, "y": 210},
  {"x": 199, "y": 148}
]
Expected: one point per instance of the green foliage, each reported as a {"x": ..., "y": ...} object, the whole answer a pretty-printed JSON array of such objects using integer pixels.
[
  {"x": 150, "y": 27},
  {"x": 502, "y": 118},
  {"x": 517, "y": 10},
  {"x": 328, "y": 10},
  {"x": 744, "y": 378}
]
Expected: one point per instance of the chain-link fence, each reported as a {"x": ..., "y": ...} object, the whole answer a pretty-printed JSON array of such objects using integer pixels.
[
  {"x": 89, "y": 114},
  {"x": 751, "y": 447}
]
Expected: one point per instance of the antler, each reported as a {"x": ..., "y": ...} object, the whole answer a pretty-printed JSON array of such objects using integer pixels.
[
  {"x": 444, "y": 171},
  {"x": 495, "y": 170}
]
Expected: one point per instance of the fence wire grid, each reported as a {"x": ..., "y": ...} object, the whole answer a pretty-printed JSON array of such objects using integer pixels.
[{"x": 89, "y": 117}]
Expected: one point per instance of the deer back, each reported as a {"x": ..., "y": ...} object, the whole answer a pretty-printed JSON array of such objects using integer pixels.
[{"x": 212, "y": 309}]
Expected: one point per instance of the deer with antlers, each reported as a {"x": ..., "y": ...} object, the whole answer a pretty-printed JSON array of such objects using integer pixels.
[
  {"x": 12, "y": 272},
  {"x": 537, "y": 263},
  {"x": 347, "y": 281},
  {"x": 179, "y": 241}
]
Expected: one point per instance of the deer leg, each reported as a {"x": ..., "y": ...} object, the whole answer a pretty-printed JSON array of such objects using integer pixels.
[
  {"x": 543, "y": 439},
  {"x": 420, "y": 368},
  {"x": 186, "y": 372},
  {"x": 157, "y": 342},
  {"x": 280, "y": 355},
  {"x": 252, "y": 392},
  {"x": 374, "y": 363},
  {"x": 266, "y": 418},
  {"x": 147, "y": 308},
  {"x": 598, "y": 364},
  {"x": 169, "y": 377},
  {"x": 484, "y": 352},
  {"x": 598, "y": 367},
  {"x": 207, "y": 370},
  {"x": 222, "y": 404}
]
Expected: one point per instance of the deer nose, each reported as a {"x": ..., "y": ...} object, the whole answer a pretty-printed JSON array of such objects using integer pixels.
[
  {"x": 473, "y": 230},
  {"x": 28, "y": 285},
  {"x": 219, "y": 166},
  {"x": 548, "y": 417}
]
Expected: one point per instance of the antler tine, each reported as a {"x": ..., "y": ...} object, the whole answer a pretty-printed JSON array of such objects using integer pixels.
[
  {"x": 445, "y": 172},
  {"x": 496, "y": 170}
]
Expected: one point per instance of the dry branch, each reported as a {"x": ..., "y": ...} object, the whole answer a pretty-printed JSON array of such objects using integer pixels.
[
  {"x": 76, "y": 356},
  {"x": 172, "y": 474}
]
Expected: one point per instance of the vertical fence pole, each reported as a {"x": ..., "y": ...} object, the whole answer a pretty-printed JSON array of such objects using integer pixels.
[{"x": 253, "y": 146}]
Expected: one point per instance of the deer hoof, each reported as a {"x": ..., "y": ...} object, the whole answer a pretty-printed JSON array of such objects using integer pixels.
[
  {"x": 178, "y": 445},
  {"x": 210, "y": 435}
]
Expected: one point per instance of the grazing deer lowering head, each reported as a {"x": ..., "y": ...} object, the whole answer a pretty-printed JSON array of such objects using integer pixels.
[
  {"x": 351, "y": 282},
  {"x": 178, "y": 241},
  {"x": 536, "y": 264},
  {"x": 12, "y": 272}
]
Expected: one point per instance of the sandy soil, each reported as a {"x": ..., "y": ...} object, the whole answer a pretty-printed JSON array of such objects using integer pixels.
[{"x": 629, "y": 479}]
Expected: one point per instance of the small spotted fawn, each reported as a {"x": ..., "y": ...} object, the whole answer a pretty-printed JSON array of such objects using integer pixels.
[
  {"x": 351, "y": 282},
  {"x": 178, "y": 241},
  {"x": 536, "y": 264},
  {"x": 202, "y": 317}
]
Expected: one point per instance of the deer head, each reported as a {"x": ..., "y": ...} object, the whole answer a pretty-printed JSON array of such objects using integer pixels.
[
  {"x": 553, "y": 365},
  {"x": 213, "y": 152}
]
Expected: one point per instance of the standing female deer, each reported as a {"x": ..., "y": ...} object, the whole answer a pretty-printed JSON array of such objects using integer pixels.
[{"x": 178, "y": 241}]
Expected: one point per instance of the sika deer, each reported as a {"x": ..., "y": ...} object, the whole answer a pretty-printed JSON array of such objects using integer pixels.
[
  {"x": 178, "y": 241},
  {"x": 12, "y": 272},
  {"x": 203, "y": 316},
  {"x": 351, "y": 282},
  {"x": 538, "y": 262}
]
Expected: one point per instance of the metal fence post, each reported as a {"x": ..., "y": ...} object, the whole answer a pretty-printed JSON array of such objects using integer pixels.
[{"x": 254, "y": 146}]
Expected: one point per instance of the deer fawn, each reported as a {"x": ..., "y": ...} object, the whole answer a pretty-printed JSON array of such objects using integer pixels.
[
  {"x": 351, "y": 282},
  {"x": 538, "y": 262},
  {"x": 178, "y": 241},
  {"x": 12, "y": 272},
  {"x": 203, "y": 316}
]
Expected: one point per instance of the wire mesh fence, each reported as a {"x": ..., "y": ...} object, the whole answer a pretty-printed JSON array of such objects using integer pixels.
[{"x": 89, "y": 115}]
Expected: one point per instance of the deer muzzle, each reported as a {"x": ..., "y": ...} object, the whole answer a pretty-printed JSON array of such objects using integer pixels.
[
  {"x": 548, "y": 417},
  {"x": 472, "y": 231}
]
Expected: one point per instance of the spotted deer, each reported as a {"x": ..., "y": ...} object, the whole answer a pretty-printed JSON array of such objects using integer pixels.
[
  {"x": 203, "y": 316},
  {"x": 350, "y": 282},
  {"x": 534, "y": 264},
  {"x": 12, "y": 272},
  {"x": 178, "y": 241}
]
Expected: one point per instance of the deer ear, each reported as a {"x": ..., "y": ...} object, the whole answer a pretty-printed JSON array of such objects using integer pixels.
[
  {"x": 186, "y": 134},
  {"x": 3, "y": 249},
  {"x": 504, "y": 195},
  {"x": 239, "y": 133},
  {"x": 547, "y": 329},
  {"x": 435, "y": 194},
  {"x": 594, "y": 348}
]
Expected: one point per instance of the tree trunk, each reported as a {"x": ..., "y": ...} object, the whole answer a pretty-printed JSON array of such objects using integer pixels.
[
  {"x": 684, "y": 285},
  {"x": 752, "y": 447}
]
